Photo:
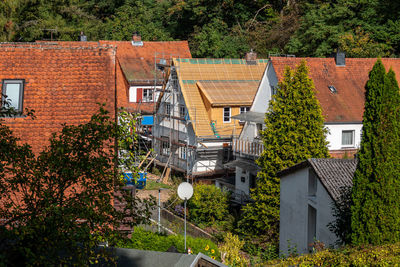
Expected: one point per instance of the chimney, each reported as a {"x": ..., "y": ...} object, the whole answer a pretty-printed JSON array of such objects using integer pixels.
[
  {"x": 137, "y": 39},
  {"x": 251, "y": 58},
  {"x": 82, "y": 37},
  {"x": 340, "y": 58}
]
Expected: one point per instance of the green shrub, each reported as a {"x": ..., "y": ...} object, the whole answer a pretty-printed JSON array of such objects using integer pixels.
[
  {"x": 385, "y": 255},
  {"x": 208, "y": 205},
  {"x": 147, "y": 240},
  {"x": 230, "y": 249}
]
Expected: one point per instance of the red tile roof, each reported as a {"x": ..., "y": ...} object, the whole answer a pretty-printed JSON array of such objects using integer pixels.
[
  {"x": 347, "y": 105},
  {"x": 137, "y": 64},
  {"x": 63, "y": 84}
]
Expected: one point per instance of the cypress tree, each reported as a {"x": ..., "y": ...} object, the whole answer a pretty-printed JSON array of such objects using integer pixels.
[
  {"x": 294, "y": 132},
  {"x": 375, "y": 196}
]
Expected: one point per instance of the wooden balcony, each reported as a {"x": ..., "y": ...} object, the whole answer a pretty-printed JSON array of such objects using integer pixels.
[{"x": 247, "y": 148}]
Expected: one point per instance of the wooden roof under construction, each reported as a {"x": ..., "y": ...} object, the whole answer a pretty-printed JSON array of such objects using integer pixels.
[
  {"x": 224, "y": 82},
  {"x": 223, "y": 93}
]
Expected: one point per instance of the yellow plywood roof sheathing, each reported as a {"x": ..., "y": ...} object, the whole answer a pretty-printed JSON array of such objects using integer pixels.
[
  {"x": 223, "y": 82},
  {"x": 226, "y": 93}
]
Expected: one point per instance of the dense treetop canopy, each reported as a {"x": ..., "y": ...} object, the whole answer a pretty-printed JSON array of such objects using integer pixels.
[{"x": 218, "y": 28}]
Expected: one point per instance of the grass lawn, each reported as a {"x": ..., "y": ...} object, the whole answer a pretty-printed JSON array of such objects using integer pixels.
[{"x": 153, "y": 185}]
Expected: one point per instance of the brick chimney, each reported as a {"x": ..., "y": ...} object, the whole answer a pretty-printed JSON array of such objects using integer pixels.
[
  {"x": 251, "y": 57},
  {"x": 137, "y": 39},
  {"x": 82, "y": 37},
  {"x": 340, "y": 58}
]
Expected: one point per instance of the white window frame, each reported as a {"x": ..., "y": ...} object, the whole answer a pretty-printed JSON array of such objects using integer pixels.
[
  {"x": 21, "y": 84},
  {"x": 226, "y": 117},
  {"x": 182, "y": 152},
  {"x": 352, "y": 138},
  {"x": 148, "y": 94},
  {"x": 165, "y": 147},
  {"x": 168, "y": 110}
]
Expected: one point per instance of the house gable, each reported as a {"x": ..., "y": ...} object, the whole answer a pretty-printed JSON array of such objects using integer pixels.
[{"x": 307, "y": 191}]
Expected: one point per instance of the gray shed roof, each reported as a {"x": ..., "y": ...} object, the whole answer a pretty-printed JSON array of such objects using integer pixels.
[{"x": 333, "y": 173}]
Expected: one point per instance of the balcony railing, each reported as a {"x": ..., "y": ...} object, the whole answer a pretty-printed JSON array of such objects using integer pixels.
[{"x": 250, "y": 148}]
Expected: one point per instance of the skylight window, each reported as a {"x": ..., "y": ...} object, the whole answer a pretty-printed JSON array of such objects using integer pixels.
[{"x": 332, "y": 89}]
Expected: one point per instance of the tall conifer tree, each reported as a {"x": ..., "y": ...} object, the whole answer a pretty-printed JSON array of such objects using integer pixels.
[
  {"x": 294, "y": 132},
  {"x": 375, "y": 197}
]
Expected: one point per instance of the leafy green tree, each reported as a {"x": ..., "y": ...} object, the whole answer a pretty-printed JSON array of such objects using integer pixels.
[
  {"x": 360, "y": 45},
  {"x": 146, "y": 17},
  {"x": 294, "y": 132},
  {"x": 323, "y": 24},
  {"x": 58, "y": 205},
  {"x": 341, "y": 210},
  {"x": 376, "y": 208},
  {"x": 214, "y": 40}
]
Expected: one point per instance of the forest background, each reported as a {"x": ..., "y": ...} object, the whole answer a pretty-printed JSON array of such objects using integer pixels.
[{"x": 215, "y": 28}]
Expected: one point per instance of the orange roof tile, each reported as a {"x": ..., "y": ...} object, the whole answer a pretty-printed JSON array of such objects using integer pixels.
[
  {"x": 137, "y": 63},
  {"x": 347, "y": 105},
  {"x": 63, "y": 84}
]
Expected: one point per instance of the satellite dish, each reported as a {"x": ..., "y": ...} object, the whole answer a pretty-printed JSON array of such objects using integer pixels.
[{"x": 185, "y": 191}]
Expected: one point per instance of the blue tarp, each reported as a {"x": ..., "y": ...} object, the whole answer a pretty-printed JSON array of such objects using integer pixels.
[
  {"x": 147, "y": 120},
  {"x": 141, "y": 182}
]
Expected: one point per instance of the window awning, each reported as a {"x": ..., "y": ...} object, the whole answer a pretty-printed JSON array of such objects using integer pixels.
[{"x": 251, "y": 116}]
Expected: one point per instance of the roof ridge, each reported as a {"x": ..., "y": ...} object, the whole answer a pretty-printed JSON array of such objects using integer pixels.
[{"x": 55, "y": 46}]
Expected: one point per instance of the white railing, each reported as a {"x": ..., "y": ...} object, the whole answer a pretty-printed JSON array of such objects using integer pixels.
[{"x": 243, "y": 147}]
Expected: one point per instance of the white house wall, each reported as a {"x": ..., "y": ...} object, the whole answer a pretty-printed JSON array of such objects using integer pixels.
[
  {"x": 293, "y": 211},
  {"x": 334, "y": 136},
  {"x": 294, "y": 201},
  {"x": 263, "y": 95},
  {"x": 239, "y": 185},
  {"x": 133, "y": 92},
  {"x": 324, "y": 216}
]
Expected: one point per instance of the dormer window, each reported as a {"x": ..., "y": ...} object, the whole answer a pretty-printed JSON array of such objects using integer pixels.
[{"x": 13, "y": 93}]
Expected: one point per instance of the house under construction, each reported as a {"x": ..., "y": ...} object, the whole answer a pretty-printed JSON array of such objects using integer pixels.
[{"x": 193, "y": 129}]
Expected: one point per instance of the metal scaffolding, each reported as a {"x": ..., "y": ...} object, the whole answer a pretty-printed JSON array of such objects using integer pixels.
[{"x": 171, "y": 119}]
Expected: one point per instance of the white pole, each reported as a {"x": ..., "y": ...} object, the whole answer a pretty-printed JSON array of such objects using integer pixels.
[
  {"x": 159, "y": 210},
  {"x": 185, "y": 223}
]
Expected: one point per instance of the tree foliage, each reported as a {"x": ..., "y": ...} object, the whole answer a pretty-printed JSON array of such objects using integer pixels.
[
  {"x": 341, "y": 210},
  {"x": 58, "y": 205},
  {"x": 323, "y": 25},
  {"x": 376, "y": 208},
  {"x": 221, "y": 28},
  {"x": 209, "y": 205},
  {"x": 294, "y": 132}
]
